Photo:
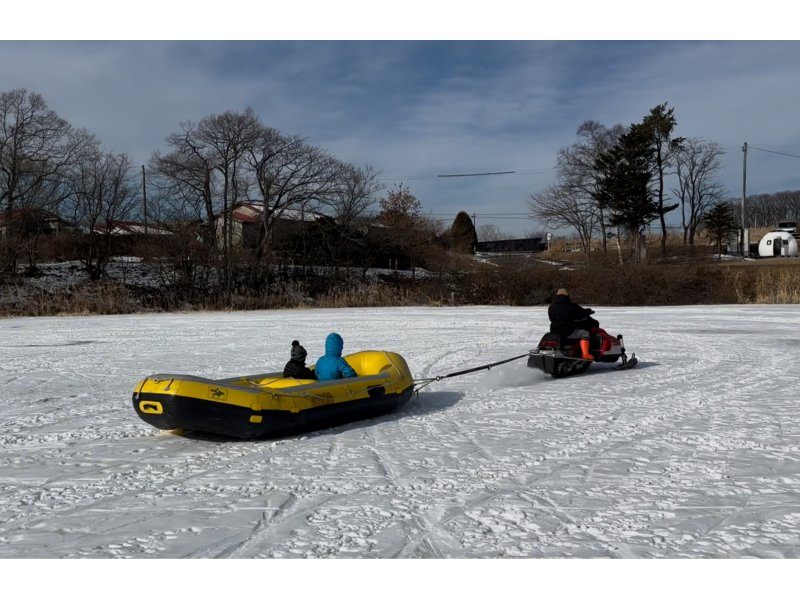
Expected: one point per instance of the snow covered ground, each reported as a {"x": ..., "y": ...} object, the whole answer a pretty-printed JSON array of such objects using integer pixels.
[{"x": 694, "y": 453}]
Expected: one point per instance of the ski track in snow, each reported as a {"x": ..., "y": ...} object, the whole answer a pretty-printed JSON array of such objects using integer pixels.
[{"x": 694, "y": 453}]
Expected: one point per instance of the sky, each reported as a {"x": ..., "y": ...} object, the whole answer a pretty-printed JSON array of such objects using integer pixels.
[
  {"x": 693, "y": 455},
  {"x": 426, "y": 93}
]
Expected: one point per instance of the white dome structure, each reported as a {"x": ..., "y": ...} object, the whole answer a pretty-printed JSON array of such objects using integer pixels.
[{"x": 778, "y": 243}]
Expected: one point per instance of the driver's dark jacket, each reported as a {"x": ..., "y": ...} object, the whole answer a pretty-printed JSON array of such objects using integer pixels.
[{"x": 563, "y": 315}]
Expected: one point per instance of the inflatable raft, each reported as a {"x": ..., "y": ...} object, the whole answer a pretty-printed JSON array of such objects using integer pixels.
[{"x": 268, "y": 405}]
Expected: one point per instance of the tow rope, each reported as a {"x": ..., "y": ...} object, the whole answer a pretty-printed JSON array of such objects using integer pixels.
[{"x": 425, "y": 381}]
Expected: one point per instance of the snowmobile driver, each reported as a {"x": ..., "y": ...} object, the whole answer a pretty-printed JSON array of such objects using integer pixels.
[{"x": 571, "y": 321}]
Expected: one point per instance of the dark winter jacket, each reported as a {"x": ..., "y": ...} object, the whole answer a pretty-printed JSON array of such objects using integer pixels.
[
  {"x": 332, "y": 365},
  {"x": 564, "y": 314},
  {"x": 297, "y": 369}
]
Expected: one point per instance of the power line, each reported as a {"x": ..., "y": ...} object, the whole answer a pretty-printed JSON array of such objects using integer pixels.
[
  {"x": 772, "y": 151},
  {"x": 505, "y": 217},
  {"x": 482, "y": 214},
  {"x": 484, "y": 217},
  {"x": 421, "y": 177},
  {"x": 443, "y": 176}
]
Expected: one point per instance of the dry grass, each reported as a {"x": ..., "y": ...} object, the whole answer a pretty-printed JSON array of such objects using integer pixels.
[
  {"x": 765, "y": 285},
  {"x": 514, "y": 283},
  {"x": 98, "y": 298},
  {"x": 680, "y": 283}
]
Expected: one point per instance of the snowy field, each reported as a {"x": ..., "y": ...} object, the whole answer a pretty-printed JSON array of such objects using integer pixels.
[{"x": 694, "y": 453}]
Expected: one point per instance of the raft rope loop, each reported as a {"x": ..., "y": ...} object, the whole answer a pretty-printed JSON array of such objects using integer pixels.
[{"x": 426, "y": 381}]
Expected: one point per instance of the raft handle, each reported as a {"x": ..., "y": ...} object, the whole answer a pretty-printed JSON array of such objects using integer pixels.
[{"x": 152, "y": 407}]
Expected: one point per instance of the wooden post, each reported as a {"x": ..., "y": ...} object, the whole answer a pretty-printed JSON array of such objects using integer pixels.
[
  {"x": 745, "y": 236},
  {"x": 144, "y": 197}
]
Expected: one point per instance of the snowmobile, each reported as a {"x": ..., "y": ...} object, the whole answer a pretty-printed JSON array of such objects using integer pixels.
[{"x": 561, "y": 357}]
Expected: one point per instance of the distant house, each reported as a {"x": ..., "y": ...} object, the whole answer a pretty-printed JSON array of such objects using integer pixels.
[
  {"x": 777, "y": 244},
  {"x": 783, "y": 241},
  {"x": 245, "y": 221},
  {"x": 531, "y": 245},
  {"x": 32, "y": 221}
]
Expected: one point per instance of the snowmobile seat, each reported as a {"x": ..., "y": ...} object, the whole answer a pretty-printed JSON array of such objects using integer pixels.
[{"x": 552, "y": 340}]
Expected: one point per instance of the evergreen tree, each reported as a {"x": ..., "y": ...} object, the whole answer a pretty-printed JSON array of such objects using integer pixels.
[
  {"x": 625, "y": 181},
  {"x": 719, "y": 222},
  {"x": 660, "y": 124},
  {"x": 463, "y": 235}
]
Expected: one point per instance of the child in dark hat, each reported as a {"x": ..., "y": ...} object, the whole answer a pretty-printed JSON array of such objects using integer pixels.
[{"x": 296, "y": 366}]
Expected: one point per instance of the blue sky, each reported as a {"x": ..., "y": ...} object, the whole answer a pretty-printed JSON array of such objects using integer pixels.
[{"x": 422, "y": 108}]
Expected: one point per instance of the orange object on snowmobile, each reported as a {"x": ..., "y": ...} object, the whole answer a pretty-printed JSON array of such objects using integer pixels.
[{"x": 562, "y": 357}]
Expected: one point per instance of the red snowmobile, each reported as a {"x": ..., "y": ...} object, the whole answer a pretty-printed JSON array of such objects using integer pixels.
[{"x": 562, "y": 357}]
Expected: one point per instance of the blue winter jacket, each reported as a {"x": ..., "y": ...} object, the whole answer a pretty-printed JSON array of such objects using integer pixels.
[{"x": 332, "y": 365}]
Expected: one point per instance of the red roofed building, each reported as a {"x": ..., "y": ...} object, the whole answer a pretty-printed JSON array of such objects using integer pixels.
[
  {"x": 246, "y": 223},
  {"x": 120, "y": 227}
]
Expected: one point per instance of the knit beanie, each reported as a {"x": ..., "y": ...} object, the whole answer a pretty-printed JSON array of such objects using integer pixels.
[{"x": 298, "y": 352}]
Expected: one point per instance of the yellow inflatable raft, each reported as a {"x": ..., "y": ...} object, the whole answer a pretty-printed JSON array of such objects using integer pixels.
[{"x": 264, "y": 405}]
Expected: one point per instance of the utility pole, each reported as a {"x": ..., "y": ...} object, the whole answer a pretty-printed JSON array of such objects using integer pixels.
[
  {"x": 144, "y": 196},
  {"x": 745, "y": 236}
]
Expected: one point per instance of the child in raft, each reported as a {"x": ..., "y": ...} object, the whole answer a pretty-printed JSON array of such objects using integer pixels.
[
  {"x": 296, "y": 367},
  {"x": 332, "y": 365}
]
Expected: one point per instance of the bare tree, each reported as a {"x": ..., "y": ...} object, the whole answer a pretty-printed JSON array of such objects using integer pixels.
[
  {"x": 227, "y": 138},
  {"x": 289, "y": 175},
  {"x": 187, "y": 188},
  {"x": 787, "y": 204},
  {"x": 767, "y": 210},
  {"x": 491, "y": 232},
  {"x": 577, "y": 172},
  {"x": 562, "y": 208},
  {"x": 36, "y": 147},
  {"x": 355, "y": 195},
  {"x": 103, "y": 195},
  {"x": 44, "y": 195},
  {"x": 698, "y": 164},
  {"x": 175, "y": 208},
  {"x": 225, "y": 159}
]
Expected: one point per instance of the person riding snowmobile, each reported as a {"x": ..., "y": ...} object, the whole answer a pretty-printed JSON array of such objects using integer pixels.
[{"x": 571, "y": 321}]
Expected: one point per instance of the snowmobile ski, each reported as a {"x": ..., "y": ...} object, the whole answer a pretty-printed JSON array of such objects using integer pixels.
[{"x": 627, "y": 363}]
